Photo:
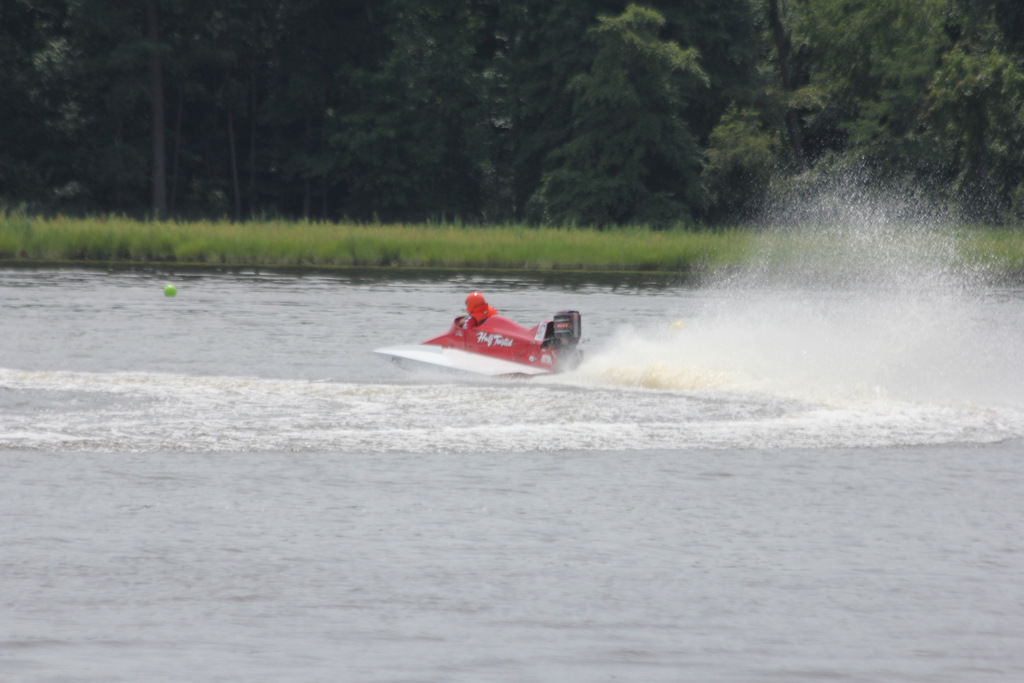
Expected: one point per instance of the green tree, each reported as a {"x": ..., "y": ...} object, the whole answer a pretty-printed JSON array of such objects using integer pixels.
[
  {"x": 413, "y": 147},
  {"x": 872, "y": 62},
  {"x": 541, "y": 45},
  {"x": 740, "y": 160},
  {"x": 109, "y": 63},
  {"x": 316, "y": 49},
  {"x": 726, "y": 37},
  {"x": 36, "y": 124},
  {"x": 977, "y": 108},
  {"x": 926, "y": 94},
  {"x": 630, "y": 157},
  {"x": 792, "y": 79}
]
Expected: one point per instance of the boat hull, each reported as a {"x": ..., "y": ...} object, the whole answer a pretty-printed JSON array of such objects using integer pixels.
[
  {"x": 497, "y": 348},
  {"x": 426, "y": 356}
]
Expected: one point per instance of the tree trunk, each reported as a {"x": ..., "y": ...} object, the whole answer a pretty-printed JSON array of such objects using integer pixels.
[
  {"x": 252, "y": 140},
  {"x": 307, "y": 198},
  {"x": 119, "y": 161},
  {"x": 234, "y": 165},
  {"x": 177, "y": 148},
  {"x": 158, "y": 122},
  {"x": 782, "y": 46}
]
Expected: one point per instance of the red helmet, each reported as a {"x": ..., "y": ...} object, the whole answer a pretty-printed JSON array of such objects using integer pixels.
[{"x": 473, "y": 300}]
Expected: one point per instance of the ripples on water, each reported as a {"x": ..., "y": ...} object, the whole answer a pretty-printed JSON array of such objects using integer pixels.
[
  {"x": 862, "y": 564},
  {"x": 755, "y": 480},
  {"x": 153, "y": 412}
]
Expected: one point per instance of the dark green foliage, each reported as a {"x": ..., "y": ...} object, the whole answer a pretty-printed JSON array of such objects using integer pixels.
[
  {"x": 630, "y": 156},
  {"x": 541, "y": 48},
  {"x": 415, "y": 143},
  {"x": 977, "y": 108},
  {"x": 739, "y": 162},
  {"x": 584, "y": 111},
  {"x": 33, "y": 122}
]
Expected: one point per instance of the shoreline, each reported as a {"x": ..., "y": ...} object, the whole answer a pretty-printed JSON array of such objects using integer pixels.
[
  {"x": 379, "y": 273},
  {"x": 446, "y": 251}
]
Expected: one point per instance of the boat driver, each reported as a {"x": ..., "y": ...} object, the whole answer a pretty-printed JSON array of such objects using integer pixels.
[{"x": 478, "y": 310}]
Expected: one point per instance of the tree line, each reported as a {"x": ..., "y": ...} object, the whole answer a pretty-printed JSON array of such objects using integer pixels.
[{"x": 591, "y": 112}]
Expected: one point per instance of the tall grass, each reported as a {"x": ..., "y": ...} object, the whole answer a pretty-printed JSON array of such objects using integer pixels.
[
  {"x": 311, "y": 244},
  {"x": 999, "y": 249},
  {"x": 296, "y": 244}
]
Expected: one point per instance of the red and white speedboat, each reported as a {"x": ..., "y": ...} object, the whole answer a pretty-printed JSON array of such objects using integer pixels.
[{"x": 498, "y": 347}]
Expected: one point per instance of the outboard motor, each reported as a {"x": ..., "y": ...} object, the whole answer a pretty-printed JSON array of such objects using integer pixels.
[{"x": 566, "y": 331}]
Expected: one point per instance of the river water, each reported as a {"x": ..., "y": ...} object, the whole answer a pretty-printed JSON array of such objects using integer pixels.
[{"x": 754, "y": 479}]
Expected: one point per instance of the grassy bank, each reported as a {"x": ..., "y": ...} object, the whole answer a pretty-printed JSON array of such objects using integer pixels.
[
  {"x": 290, "y": 244},
  {"x": 304, "y": 244}
]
